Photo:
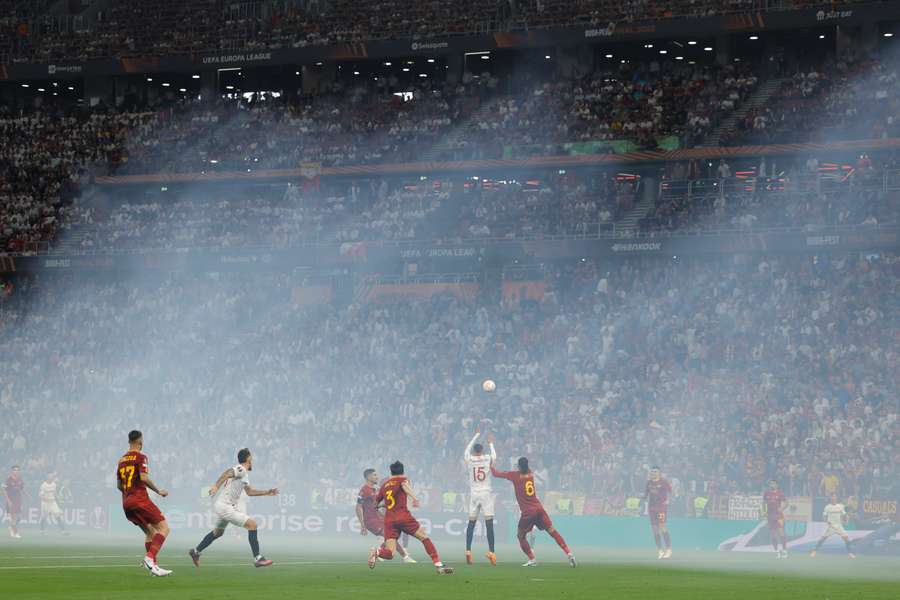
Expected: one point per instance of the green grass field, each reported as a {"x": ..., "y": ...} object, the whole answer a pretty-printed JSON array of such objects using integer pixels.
[{"x": 71, "y": 570}]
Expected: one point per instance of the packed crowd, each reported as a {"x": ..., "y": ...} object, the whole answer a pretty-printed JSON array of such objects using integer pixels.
[
  {"x": 130, "y": 28},
  {"x": 850, "y": 98},
  {"x": 724, "y": 372}
]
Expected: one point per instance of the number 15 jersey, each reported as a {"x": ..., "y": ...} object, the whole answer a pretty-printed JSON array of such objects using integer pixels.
[{"x": 478, "y": 468}]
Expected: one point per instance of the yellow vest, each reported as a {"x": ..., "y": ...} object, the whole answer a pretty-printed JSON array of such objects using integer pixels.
[
  {"x": 700, "y": 503},
  {"x": 449, "y": 501}
]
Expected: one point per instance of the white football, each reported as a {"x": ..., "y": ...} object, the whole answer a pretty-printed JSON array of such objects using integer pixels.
[{"x": 489, "y": 385}]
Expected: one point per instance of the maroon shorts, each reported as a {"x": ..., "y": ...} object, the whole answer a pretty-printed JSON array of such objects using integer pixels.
[
  {"x": 657, "y": 517},
  {"x": 538, "y": 518},
  {"x": 403, "y": 524},
  {"x": 776, "y": 523},
  {"x": 14, "y": 508},
  {"x": 376, "y": 527},
  {"x": 142, "y": 512}
]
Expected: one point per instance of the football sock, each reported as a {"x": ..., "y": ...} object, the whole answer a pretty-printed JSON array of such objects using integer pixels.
[
  {"x": 147, "y": 546},
  {"x": 667, "y": 540},
  {"x": 559, "y": 540},
  {"x": 526, "y": 548},
  {"x": 489, "y": 525},
  {"x": 155, "y": 545},
  {"x": 385, "y": 553},
  {"x": 774, "y": 539},
  {"x": 470, "y": 533},
  {"x": 431, "y": 550},
  {"x": 849, "y": 547},
  {"x": 254, "y": 542},
  {"x": 43, "y": 524},
  {"x": 658, "y": 540},
  {"x": 401, "y": 550},
  {"x": 819, "y": 545},
  {"x": 204, "y": 544}
]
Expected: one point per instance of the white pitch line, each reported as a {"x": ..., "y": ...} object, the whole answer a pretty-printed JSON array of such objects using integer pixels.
[{"x": 78, "y": 557}]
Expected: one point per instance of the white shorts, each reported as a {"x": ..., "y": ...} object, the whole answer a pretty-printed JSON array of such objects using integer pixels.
[
  {"x": 50, "y": 509},
  {"x": 835, "y": 530},
  {"x": 230, "y": 515},
  {"x": 483, "y": 501}
]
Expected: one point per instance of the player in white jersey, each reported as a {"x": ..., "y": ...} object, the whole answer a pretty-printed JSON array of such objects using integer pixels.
[
  {"x": 481, "y": 496},
  {"x": 230, "y": 507},
  {"x": 835, "y": 515},
  {"x": 50, "y": 510}
]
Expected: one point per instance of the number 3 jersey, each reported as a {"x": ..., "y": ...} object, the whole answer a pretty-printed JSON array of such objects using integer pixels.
[
  {"x": 479, "y": 468},
  {"x": 131, "y": 466},
  {"x": 394, "y": 498}
]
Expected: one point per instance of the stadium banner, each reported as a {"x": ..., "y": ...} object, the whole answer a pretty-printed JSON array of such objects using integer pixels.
[
  {"x": 744, "y": 508},
  {"x": 833, "y": 14},
  {"x": 77, "y": 516},
  {"x": 384, "y": 254},
  {"x": 799, "y": 508},
  {"x": 872, "y": 508}
]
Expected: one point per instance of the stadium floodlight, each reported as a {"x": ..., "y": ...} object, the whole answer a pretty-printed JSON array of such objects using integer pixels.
[
  {"x": 213, "y": 161},
  {"x": 663, "y": 52},
  {"x": 431, "y": 60},
  {"x": 708, "y": 49},
  {"x": 71, "y": 88},
  {"x": 319, "y": 64},
  {"x": 754, "y": 37},
  {"x": 692, "y": 42},
  {"x": 356, "y": 72},
  {"x": 25, "y": 85},
  {"x": 679, "y": 58},
  {"x": 648, "y": 46},
  {"x": 822, "y": 36},
  {"x": 149, "y": 80},
  {"x": 479, "y": 53},
  {"x": 182, "y": 90},
  {"x": 546, "y": 57},
  {"x": 229, "y": 87},
  {"x": 609, "y": 56},
  {"x": 166, "y": 84},
  {"x": 888, "y": 34},
  {"x": 387, "y": 63},
  {"x": 423, "y": 75},
  {"x": 195, "y": 76},
  {"x": 406, "y": 69},
  {"x": 41, "y": 90},
  {"x": 485, "y": 57}
]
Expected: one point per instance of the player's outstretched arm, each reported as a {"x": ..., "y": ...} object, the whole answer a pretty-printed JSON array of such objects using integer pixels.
[
  {"x": 490, "y": 441},
  {"x": 502, "y": 474},
  {"x": 407, "y": 487},
  {"x": 468, "y": 453},
  {"x": 225, "y": 476},
  {"x": 253, "y": 492}
]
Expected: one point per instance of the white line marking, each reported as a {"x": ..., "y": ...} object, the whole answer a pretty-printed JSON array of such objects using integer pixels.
[
  {"x": 205, "y": 566},
  {"x": 79, "y": 557}
]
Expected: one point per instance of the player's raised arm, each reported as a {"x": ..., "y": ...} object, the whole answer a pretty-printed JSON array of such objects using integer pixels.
[
  {"x": 490, "y": 441},
  {"x": 468, "y": 453},
  {"x": 502, "y": 474},
  {"x": 254, "y": 492},
  {"x": 225, "y": 476}
]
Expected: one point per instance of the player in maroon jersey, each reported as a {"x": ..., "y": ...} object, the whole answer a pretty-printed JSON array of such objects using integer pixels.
[
  {"x": 398, "y": 519},
  {"x": 12, "y": 493},
  {"x": 370, "y": 518},
  {"x": 133, "y": 480},
  {"x": 657, "y": 496},
  {"x": 774, "y": 503},
  {"x": 533, "y": 513}
]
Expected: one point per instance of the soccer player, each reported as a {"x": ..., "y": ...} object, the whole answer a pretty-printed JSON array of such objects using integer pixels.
[
  {"x": 370, "y": 518},
  {"x": 397, "y": 519},
  {"x": 657, "y": 496},
  {"x": 12, "y": 493},
  {"x": 133, "y": 480},
  {"x": 835, "y": 515},
  {"x": 229, "y": 508},
  {"x": 481, "y": 497},
  {"x": 533, "y": 513},
  {"x": 774, "y": 503},
  {"x": 50, "y": 511}
]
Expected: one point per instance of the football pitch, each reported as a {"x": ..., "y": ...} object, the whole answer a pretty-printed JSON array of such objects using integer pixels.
[{"x": 72, "y": 570}]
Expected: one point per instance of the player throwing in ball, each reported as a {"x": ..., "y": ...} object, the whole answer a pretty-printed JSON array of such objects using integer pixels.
[
  {"x": 397, "y": 519},
  {"x": 481, "y": 496},
  {"x": 230, "y": 508},
  {"x": 835, "y": 515},
  {"x": 657, "y": 496},
  {"x": 774, "y": 503},
  {"x": 133, "y": 480},
  {"x": 533, "y": 513},
  {"x": 370, "y": 518}
]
